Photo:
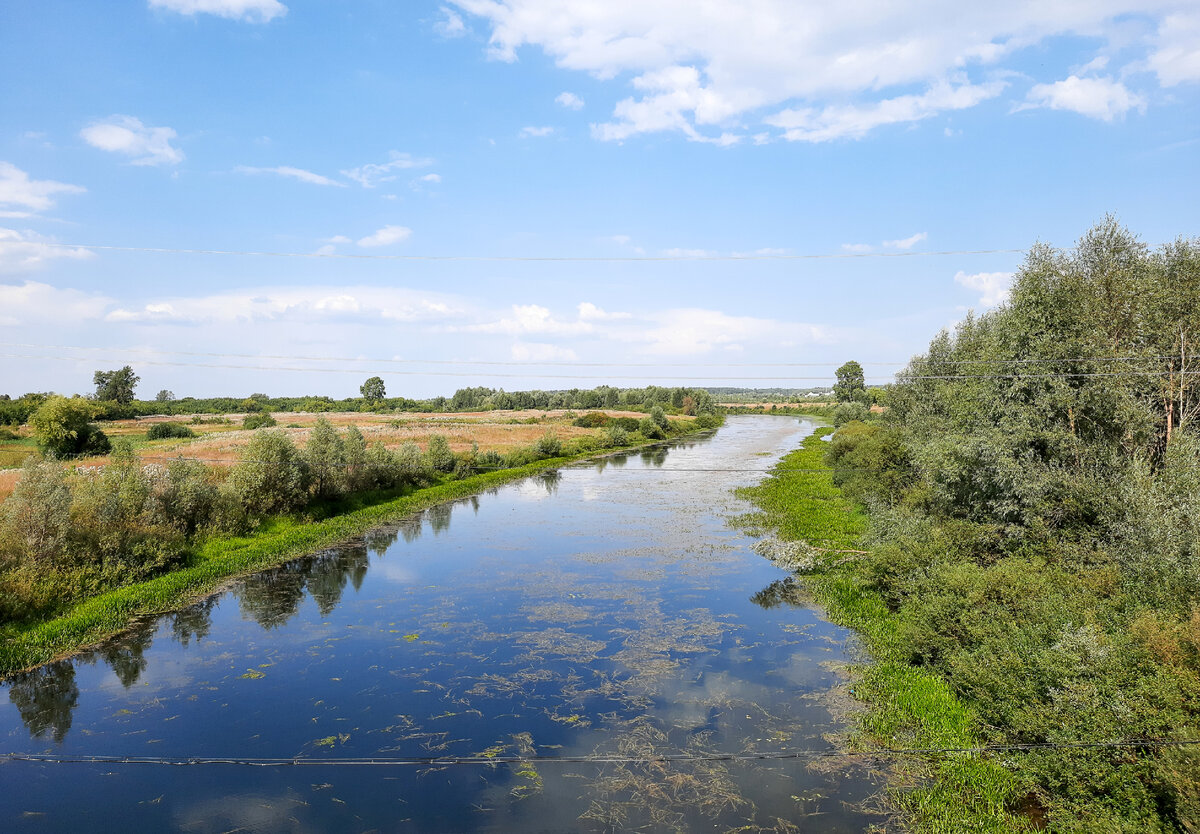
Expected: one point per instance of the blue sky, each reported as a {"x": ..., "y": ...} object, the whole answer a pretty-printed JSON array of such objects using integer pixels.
[{"x": 516, "y": 128}]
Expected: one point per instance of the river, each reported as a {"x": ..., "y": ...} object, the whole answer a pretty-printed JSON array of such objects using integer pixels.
[{"x": 603, "y": 611}]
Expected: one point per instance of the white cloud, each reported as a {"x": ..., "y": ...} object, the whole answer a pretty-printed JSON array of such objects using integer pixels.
[
  {"x": 993, "y": 286},
  {"x": 128, "y": 136},
  {"x": 386, "y": 236},
  {"x": 906, "y": 243},
  {"x": 293, "y": 173},
  {"x": 707, "y": 69},
  {"x": 18, "y": 190},
  {"x": 338, "y": 239},
  {"x": 378, "y": 305},
  {"x": 253, "y": 11},
  {"x": 855, "y": 122},
  {"x": 451, "y": 25},
  {"x": 541, "y": 352},
  {"x": 1176, "y": 55},
  {"x": 569, "y": 101},
  {"x": 527, "y": 319},
  {"x": 536, "y": 132},
  {"x": 590, "y": 312},
  {"x": 370, "y": 175},
  {"x": 686, "y": 332},
  {"x": 620, "y": 240},
  {"x": 24, "y": 251},
  {"x": 857, "y": 248},
  {"x": 36, "y": 303},
  {"x": 432, "y": 179},
  {"x": 1096, "y": 98}
]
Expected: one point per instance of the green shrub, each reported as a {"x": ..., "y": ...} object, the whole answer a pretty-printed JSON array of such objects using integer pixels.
[
  {"x": 650, "y": 429},
  {"x": 660, "y": 418},
  {"x": 629, "y": 424},
  {"x": 258, "y": 420},
  {"x": 616, "y": 436},
  {"x": 325, "y": 458},
  {"x": 592, "y": 420},
  {"x": 548, "y": 445},
  {"x": 438, "y": 456},
  {"x": 271, "y": 477},
  {"x": 160, "y": 431},
  {"x": 35, "y": 519},
  {"x": 63, "y": 427},
  {"x": 846, "y": 412}
]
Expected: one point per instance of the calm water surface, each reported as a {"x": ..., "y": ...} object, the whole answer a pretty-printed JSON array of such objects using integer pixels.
[{"x": 603, "y": 610}]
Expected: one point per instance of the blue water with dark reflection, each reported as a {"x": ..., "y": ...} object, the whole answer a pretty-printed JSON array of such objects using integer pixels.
[{"x": 603, "y": 610}]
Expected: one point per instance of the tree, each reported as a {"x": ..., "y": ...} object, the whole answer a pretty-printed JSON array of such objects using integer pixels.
[
  {"x": 116, "y": 386},
  {"x": 373, "y": 390},
  {"x": 850, "y": 386},
  {"x": 63, "y": 426},
  {"x": 164, "y": 396}
]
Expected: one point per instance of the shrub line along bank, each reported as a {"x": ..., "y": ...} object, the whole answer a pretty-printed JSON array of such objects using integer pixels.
[
  {"x": 221, "y": 560},
  {"x": 906, "y": 706}
]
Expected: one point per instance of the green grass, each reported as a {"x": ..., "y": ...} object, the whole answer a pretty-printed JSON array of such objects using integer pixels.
[
  {"x": 906, "y": 706},
  {"x": 220, "y": 559}
]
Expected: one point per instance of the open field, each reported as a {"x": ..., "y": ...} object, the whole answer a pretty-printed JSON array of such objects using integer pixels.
[{"x": 220, "y": 443}]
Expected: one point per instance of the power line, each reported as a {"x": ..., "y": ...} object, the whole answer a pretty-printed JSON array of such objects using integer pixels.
[
  {"x": 515, "y": 363},
  {"x": 539, "y": 258},
  {"x": 444, "y": 761},
  {"x": 595, "y": 377}
]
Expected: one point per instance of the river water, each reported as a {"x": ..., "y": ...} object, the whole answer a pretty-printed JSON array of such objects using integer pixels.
[{"x": 603, "y": 611}]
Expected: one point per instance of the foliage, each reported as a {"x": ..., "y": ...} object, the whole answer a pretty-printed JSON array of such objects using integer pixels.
[
  {"x": 259, "y": 420},
  {"x": 272, "y": 477},
  {"x": 160, "y": 431},
  {"x": 850, "y": 411},
  {"x": 63, "y": 427},
  {"x": 164, "y": 396},
  {"x": 851, "y": 385},
  {"x": 438, "y": 456},
  {"x": 373, "y": 390},
  {"x": 35, "y": 519},
  {"x": 650, "y": 429},
  {"x": 548, "y": 445},
  {"x": 592, "y": 420},
  {"x": 116, "y": 386}
]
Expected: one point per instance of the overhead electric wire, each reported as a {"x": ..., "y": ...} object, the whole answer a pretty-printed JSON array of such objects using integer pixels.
[
  {"x": 750, "y": 256},
  {"x": 528, "y": 363},
  {"x": 443, "y": 761},
  {"x": 594, "y": 377}
]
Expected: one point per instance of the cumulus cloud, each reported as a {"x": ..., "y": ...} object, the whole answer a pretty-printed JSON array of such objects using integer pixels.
[
  {"x": 372, "y": 174},
  {"x": 677, "y": 252},
  {"x": 386, "y": 236},
  {"x": 707, "y": 69},
  {"x": 569, "y": 101},
  {"x": 692, "y": 331},
  {"x": 1176, "y": 55},
  {"x": 993, "y": 287},
  {"x": 907, "y": 242},
  {"x": 24, "y": 251},
  {"x": 127, "y": 135},
  {"x": 35, "y": 303},
  {"x": 292, "y": 173},
  {"x": 432, "y": 179},
  {"x": 253, "y": 11},
  {"x": 1096, "y": 98},
  {"x": 536, "y": 132},
  {"x": 590, "y": 312},
  {"x": 531, "y": 319},
  {"x": 18, "y": 191},
  {"x": 857, "y": 248}
]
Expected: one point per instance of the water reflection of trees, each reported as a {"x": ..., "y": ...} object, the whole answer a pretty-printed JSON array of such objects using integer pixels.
[
  {"x": 439, "y": 517},
  {"x": 379, "y": 540},
  {"x": 785, "y": 591},
  {"x": 549, "y": 480},
  {"x": 45, "y": 698},
  {"x": 126, "y": 655},
  {"x": 655, "y": 456},
  {"x": 273, "y": 597},
  {"x": 193, "y": 621}
]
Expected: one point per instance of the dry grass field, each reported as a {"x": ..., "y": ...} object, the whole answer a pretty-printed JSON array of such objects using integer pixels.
[{"x": 220, "y": 444}]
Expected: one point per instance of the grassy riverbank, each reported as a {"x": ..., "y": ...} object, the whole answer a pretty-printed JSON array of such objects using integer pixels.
[
  {"x": 218, "y": 560},
  {"x": 907, "y": 707}
]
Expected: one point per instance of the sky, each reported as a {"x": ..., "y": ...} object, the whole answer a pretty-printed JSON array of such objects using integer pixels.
[{"x": 661, "y": 163}]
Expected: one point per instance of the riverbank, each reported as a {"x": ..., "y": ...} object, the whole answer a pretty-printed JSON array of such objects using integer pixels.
[
  {"x": 221, "y": 560},
  {"x": 906, "y": 706}
]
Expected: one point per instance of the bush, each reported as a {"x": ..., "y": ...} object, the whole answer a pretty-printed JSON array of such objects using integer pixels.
[
  {"x": 161, "y": 431},
  {"x": 616, "y": 436},
  {"x": 629, "y": 424},
  {"x": 438, "y": 456},
  {"x": 847, "y": 412},
  {"x": 326, "y": 460},
  {"x": 36, "y": 518},
  {"x": 592, "y": 420},
  {"x": 709, "y": 420},
  {"x": 650, "y": 429},
  {"x": 271, "y": 477},
  {"x": 548, "y": 445},
  {"x": 260, "y": 420},
  {"x": 63, "y": 427},
  {"x": 660, "y": 419}
]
